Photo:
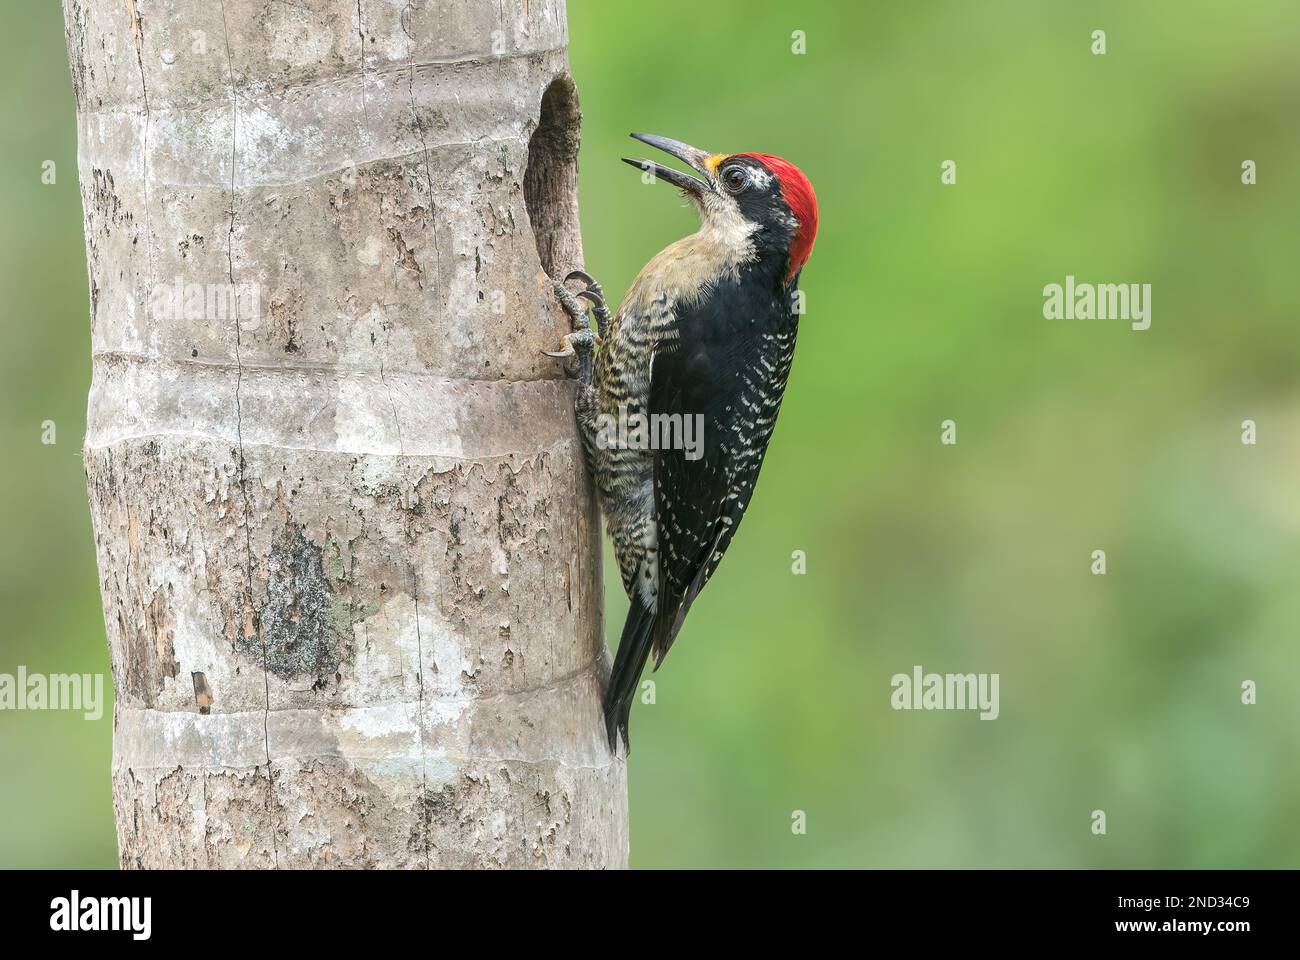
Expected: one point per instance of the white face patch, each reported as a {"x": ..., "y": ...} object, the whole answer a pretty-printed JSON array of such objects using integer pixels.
[{"x": 759, "y": 177}]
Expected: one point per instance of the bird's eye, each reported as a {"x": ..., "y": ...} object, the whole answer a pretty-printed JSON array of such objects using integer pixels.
[{"x": 735, "y": 179}]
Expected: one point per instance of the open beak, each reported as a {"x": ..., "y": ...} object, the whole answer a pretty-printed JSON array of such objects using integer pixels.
[{"x": 697, "y": 159}]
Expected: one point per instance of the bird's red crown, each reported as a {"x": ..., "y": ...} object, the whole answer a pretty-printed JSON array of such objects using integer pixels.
[{"x": 802, "y": 201}]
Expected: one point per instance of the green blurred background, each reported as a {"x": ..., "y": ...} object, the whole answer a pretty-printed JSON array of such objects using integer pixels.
[{"x": 1119, "y": 692}]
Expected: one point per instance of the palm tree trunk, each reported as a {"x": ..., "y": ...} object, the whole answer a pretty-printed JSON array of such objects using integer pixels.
[{"x": 348, "y": 552}]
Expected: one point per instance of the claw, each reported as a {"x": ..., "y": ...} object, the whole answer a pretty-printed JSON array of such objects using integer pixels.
[
  {"x": 593, "y": 294},
  {"x": 568, "y": 301},
  {"x": 580, "y": 343}
]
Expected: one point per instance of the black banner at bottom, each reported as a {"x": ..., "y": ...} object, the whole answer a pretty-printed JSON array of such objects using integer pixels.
[{"x": 203, "y": 909}]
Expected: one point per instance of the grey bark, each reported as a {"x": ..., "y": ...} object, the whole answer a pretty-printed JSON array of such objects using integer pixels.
[{"x": 348, "y": 552}]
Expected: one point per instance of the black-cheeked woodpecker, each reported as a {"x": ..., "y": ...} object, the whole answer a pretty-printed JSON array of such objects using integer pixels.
[{"x": 707, "y": 328}]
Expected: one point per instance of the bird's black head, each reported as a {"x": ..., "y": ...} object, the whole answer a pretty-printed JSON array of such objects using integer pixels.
[{"x": 764, "y": 199}]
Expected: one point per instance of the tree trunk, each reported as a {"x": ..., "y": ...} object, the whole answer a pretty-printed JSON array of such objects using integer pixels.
[{"x": 348, "y": 551}]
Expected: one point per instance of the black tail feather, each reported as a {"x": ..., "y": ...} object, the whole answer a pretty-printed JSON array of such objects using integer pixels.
[{"x": 633, "y": 650}]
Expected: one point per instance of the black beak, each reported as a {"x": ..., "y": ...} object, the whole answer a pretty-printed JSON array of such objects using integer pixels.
[{"x": 697, "y": 159}]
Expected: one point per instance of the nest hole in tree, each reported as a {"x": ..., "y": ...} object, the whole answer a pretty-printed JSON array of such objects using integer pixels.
[{"x": 551, "y": 180}]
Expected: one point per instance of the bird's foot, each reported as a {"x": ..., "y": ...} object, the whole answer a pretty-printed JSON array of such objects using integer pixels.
[
  {"x": 593, "y": 293},
  {"x": 582, "y": 345}
]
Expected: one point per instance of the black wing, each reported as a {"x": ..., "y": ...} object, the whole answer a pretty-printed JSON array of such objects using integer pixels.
[{"x": 729, "y": 363}]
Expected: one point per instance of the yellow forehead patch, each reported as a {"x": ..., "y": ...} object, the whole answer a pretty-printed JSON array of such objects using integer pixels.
[{"x": 713, "y": 161}]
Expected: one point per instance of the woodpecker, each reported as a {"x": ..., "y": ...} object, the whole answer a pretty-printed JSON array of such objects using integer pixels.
[{"x": 706, "y": 328}]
